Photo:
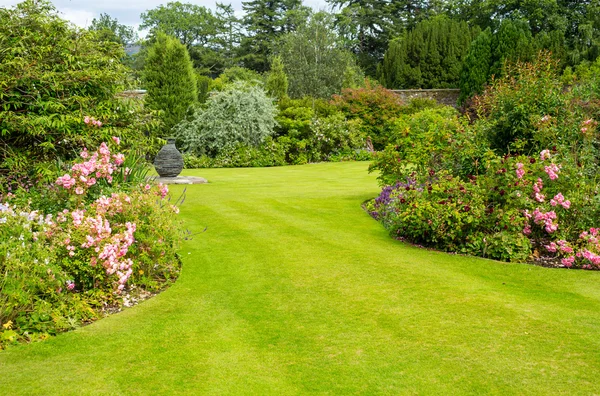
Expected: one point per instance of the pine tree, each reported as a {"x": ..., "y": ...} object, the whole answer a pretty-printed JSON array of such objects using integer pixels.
[
  {"x": 512, "y": 42},
  {"x": 476, "y": 67},
  {"x": 277, "y": 81},
  {"x": 265, "y": 22},
  {"x": 169, "y": 80},
  {"x": 429, "y": 56}
]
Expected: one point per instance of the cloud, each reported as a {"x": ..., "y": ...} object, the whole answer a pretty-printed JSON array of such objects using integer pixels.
[{"x": 80, "y": 18}]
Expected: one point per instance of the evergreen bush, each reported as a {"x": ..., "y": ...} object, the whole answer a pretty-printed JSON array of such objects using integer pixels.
[
  {"x": 476, "y": 67},
  {"x": 277, "y": 82},
  {"x": 429, "y": 56},
  {"x": 169, "y": 80}
]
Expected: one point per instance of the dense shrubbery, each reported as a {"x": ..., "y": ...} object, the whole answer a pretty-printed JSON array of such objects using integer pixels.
[
  {"x": 311, "y": 130},
  {"x": 377, "y": 108},
  {"x": 52, "y": 75},
  {"x": 103, "y": 233},
  {"x": 75, "y": 245},
  {"x": 518, "y": 184}
]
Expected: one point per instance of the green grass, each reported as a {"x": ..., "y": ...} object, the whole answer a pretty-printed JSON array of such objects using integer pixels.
[{"x": 293, "y": 289}]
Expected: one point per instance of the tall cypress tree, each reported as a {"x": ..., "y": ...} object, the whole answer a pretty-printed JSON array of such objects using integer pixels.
[
  {"x": 476, "y": 67},
  {"x": 513, "y": 41},
  {"x": 277, "y": 81},
  {"x": 169, "y": 79}
]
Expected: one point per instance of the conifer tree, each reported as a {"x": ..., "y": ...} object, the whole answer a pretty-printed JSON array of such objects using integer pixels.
[
  {"x": 266, "y": 21},
  {"x": 277, "y": 81},
  {"x": 169, "y": 79},
  {"x": 476, "y": 67},
  {"x": 429, "y": 56},
  {"x": 513, "y": 41}
]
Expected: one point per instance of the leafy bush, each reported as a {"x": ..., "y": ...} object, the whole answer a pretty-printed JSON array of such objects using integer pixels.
[
  {"x": 430, "y": 140},
  {"x": 52, "y": 75},
  {"x": 375, "y": 106},
  {"x": 64, "y": 266},
  {"x": 448, "y": 189},
  {"x": 241, "y": 113},
  {"x": 269, "y": 153},
  {"x": 514, "y": 106},
  {"x": 235, "y": 74},
  {"x": 170, "y": 80}
]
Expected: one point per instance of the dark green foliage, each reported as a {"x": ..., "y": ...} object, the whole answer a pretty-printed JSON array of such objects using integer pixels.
[
  {"x": 513, "y": 41},
  {"x": 229, "y": 37},
  {"x": 266, "y": 21},
  {"x": 476, "y": 66},
  {"x": 429, "y": 56},
  {"x": 52, "y": 76},
  {"x": 203, "y": 86},
  {"x": 277, "y": 81},
  {"x": 369, "y": 25},
  {"x": 169, "y": 79}
]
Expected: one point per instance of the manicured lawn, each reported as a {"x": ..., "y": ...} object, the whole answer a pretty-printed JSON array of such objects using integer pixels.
[{"x": 293, "y": 289}]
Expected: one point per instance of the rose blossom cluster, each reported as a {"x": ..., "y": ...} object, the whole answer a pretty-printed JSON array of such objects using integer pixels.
[
  {"x": 537, "y": 189},
  {"x": 108, "y": 242},
  {"x": 99, "y": 165},
  {"x": 559, "y": 199},
  {"x": 92, "y": 121},
  {"x": 585, "y": 250},
  {"x": 520, "y": 170},
  {"x": 552, "y": 171},
  {"x": 546, "y": 219}
]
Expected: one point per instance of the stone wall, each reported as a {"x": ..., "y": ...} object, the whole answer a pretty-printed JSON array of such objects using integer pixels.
[
  {"x": 443, "y": 96},
  {"x": 133, "y": 94}
]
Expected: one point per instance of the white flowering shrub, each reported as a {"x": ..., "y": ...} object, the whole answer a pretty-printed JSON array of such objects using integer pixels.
[{"x": 242, "y": 113}]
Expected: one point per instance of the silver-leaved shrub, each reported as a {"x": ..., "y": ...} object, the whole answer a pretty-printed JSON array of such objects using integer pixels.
[{"x": 242, "y": 113}]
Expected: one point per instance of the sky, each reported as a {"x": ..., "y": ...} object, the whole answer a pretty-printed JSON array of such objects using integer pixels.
[{"x": 81, "y": 12}]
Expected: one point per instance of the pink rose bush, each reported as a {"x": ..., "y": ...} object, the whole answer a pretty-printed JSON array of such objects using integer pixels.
[
  {"x": 514, "y": 177},
  {"x": 98, "y": 231},
  {"x": 534, "y": 211},
  {"x": 111, "y": 231}
]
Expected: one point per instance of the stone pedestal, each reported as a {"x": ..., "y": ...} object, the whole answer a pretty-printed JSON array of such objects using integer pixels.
[{"x": 180, "y": 180}]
